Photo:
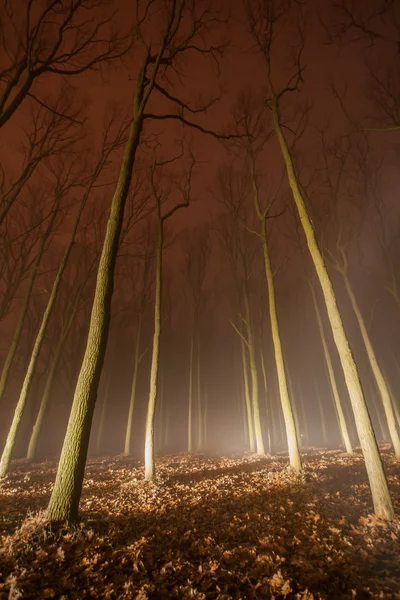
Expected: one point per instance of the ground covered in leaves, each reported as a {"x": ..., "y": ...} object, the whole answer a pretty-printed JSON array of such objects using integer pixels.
[{"x": 209, "y": 527}]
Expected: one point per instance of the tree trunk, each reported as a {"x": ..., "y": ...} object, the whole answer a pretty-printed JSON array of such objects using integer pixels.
[
  {"x": 378, "y": 375},
  {"x": 149, "y": 458},
  {"x": 306, "y": 437},
  {"x": 103, "y": 411},
  {"x": 199, "y": 407},
  {"x": 332, "y": 379},
  {"x": 24, "y": 308},
  {"x": 67, "y": 489},
  {"x": 254, "y": 376},
  {"x": 324, "y": 433},
  {"x": 128, "y": 433},
  {"x": 27, "y": 384},
  {"x": 287, "y": 409},
  {"x": 37, "y": 428},
  {"x": 250, "y": 422},
  {"x": 380, "y": 492},
  {"x": 190, "y": 396},
  {"x": 268, "y": 408}
]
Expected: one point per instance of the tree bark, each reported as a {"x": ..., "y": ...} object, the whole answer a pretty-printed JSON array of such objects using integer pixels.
[{"x": 64, "y": 501}]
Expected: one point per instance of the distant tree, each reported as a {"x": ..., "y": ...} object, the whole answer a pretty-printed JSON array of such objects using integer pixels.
[
  {"x": 143, "y": 292},
  {"x": 266, "y": 18},
  {"x": 161, "y": 197},
  {"x": 255, "y": 139},
  {"x": 194, "y": 273},
  {"x": 47, "y": 231},
  {"x": 65, "y": 181},
  {"x": 238, "y": 246}
]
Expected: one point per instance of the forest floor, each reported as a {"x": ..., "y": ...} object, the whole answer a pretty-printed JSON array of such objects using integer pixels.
[{"x": 209, "y": 527}]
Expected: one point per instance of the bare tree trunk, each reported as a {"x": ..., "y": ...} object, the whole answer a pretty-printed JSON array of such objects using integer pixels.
[
  {"x": 250, "y": 422},
  {"x": 24, "y": 308},
  {"x": 37, "y": 428},
  {"x": 103, "y": 411},
  {"x": 332, "y": 379},
  {"x": 190, "y": 396},
  {"x": 128, "y": 433},
  {"x": 324, "y": 433},
  {"x": 200, "y": 442},
  {"x": 254, "y": 376},
  {"x": 160, "y": 441},
  {"x": 268, "y": 407},
  {"x": 294, "y": 406},
  {"x": 149, "y": 441},
  {"x": 378, "y": 375},
  {"x": 291, "y": 433},
  {"x": 67, "y": 489},
  {"x": 306, "y": 437},
  {"x": 205, "y": 417},
  {"x": 380, "y": 492},
  {"x": 26, "y": 386}
]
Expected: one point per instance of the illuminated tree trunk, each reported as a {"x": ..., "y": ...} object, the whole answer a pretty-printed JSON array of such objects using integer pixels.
[
  {"x": 254, "y": 377},
  {"x": 332, "y": 379},
  {"x": 64, "y": 501},
  {"x": 149, "y": 458},
  {"x": 104, "y": 404},
  {"x": 136, "y": 362},
  {"x": 200, "y": 441},
  {"x": 380, "y": 492},
  {"x": 205, "y": 417},
  {"x": 378, "y": 375},
  {"x": 291, "y": 434},
  {"x": 24, "y": 308},
  {"x": 294, "y": 406},
  {"x": 37, "y": 428},
  {"x": 160, "y": 442},
  {"x": 306, "y": 437},
  {"x": 190, "y": 396},
  {"x": 324, "y": 433},
  {"x": 27, "y": 384},
  {"x": 250, "y": 423},
  {"x": 268, "y": 405}
]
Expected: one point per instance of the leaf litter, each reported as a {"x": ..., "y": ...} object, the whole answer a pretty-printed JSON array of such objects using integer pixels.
[{"x": 208, "y": 528}]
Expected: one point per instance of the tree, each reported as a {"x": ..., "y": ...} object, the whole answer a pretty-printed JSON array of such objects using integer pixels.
[
  {"x": 56, "y": 38},
  {"x": 255, "y": 143},
  {"x": 331, "y": 373},
  {"x": 264, "y": 18},
  {"x": 48, "y": 136},
  {"x": 194, "y": 272},
  {"x": 47, "y": 232},
  {"x": 161, "y": 52},
  {"x": 64, "y": 182},
  {"x": 144, "y": 293},
  {"x": 160, "y": 197}
]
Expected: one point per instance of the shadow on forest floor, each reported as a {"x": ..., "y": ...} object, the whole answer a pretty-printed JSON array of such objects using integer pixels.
[{"x": 221, "y": 528}]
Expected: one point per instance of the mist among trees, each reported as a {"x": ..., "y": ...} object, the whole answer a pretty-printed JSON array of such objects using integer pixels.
[{"x": 199, "y": 299}]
